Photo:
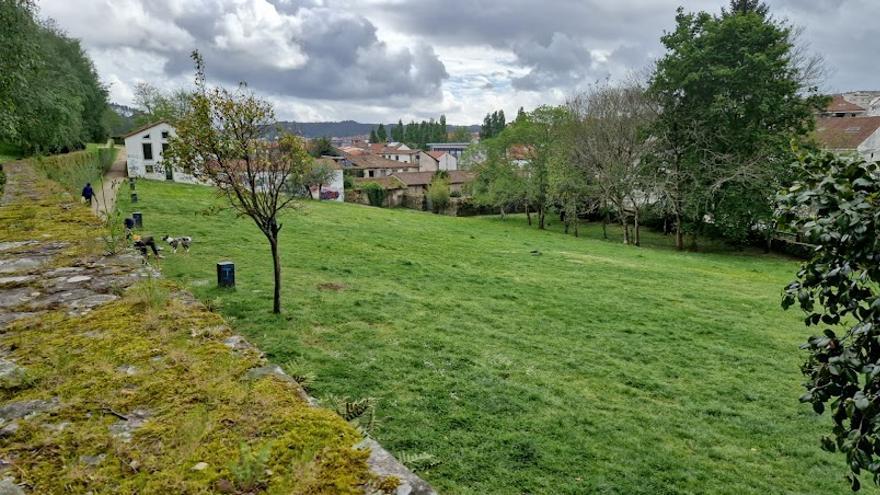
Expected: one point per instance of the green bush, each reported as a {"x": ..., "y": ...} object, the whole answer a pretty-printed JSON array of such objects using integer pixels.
[
  {"x": 438, "y": 193},
  {"x": 375, "y": 193},
  {"x": 74, "y": 170}
]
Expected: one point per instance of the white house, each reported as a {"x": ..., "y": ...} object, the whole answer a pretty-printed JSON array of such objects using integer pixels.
[
  {"x": 144, "y": 148},
  {"x": 432, "y": 161},
  {"x": 852, "y": 136}
]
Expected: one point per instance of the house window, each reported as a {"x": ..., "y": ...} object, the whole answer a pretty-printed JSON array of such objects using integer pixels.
[
  {"x": 150, "y": 169},
  {"x": 146, "y": 137},
  {"x": 148, "y": 151},
  {"x": 164, "y": 148},
  {"x": 164, "y": 134}
]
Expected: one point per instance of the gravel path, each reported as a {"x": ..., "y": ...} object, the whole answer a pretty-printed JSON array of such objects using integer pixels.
[{"x": 105, "y": 199}]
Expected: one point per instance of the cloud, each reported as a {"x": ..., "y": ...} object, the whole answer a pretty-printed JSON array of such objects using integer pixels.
[
  {"x": 380, "y": 60},
  {"x": 295, "y": 49}
]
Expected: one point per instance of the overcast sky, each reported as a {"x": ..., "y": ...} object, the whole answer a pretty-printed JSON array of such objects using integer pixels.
[{"x": 380, "y": 60}]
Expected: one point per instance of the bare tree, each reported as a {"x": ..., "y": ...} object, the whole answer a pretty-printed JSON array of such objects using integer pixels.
[
  {"x": 220, "y": 140},
  {"x": 609, "y": 141}
]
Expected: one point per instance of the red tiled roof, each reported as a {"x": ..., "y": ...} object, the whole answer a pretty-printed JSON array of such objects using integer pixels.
[
  {"x": 436, "y": 155},
  {"x": 367, "y": 161},
  {"x": 839, "y": 105},
  {"x": 845, "y": 133},
  {"x": 425, "y": 178},
  {"x": 143, "y": 128}
]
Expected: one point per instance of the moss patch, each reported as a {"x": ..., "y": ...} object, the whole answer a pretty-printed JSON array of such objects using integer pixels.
[{"x": 146, "y": 397}]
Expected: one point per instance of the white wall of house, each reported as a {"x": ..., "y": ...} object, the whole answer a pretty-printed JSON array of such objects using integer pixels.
[
  {"x": 428, "y": 163},
  {"x": 448, "y": 162},
  {"x": 144, "y": 152},
  {"x": 870, "y": 148}
]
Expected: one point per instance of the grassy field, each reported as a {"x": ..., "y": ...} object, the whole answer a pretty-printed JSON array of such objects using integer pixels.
[{"x": 590, "y": 368}]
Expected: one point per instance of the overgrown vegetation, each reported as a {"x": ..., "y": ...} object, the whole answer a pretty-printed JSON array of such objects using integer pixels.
[
  {"x": 74, "y": 170},
  {"x": 375, "y": 193},
  {"x": 526, "y": 361}
]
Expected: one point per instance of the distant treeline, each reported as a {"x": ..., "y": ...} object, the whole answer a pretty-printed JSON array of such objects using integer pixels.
[
  {"x": 50, "y": 97},
  {"x": 345, "y": 128}
]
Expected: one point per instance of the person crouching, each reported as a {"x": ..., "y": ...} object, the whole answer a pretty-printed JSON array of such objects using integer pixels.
[{"x": 142, "y": 243}]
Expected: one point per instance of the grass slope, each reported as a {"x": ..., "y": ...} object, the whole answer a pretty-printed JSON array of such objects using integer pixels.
[{"x": 592, "y": 368}]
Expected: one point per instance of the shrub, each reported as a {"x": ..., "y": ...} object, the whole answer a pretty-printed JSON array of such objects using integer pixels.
[
  {"x": 438, "y": 193},
  {"x": 74, "y": 170},
  {"x": 375, "y": 193}
]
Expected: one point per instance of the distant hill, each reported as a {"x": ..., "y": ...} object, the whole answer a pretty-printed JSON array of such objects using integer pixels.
[{"x": 345, "y": 128}]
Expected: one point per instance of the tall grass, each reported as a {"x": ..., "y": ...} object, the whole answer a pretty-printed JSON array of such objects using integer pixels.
[{"x": 74, "y": 170}]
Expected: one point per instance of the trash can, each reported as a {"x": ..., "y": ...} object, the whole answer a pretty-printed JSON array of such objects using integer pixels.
[
  {"x": 138, "y": 218},
  {"x": 225, "y": 274},
  {"x": 134, "y": 197}
]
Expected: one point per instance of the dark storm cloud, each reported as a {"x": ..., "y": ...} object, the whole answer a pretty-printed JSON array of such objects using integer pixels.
[
  {"x": 554, "y": 40},
  {"x": 344, "y": 60},
  {"x": 296, "y": 49},
  {"x": 558, "y": 42}
]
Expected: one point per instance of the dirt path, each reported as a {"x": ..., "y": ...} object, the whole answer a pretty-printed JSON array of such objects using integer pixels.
[{"x": 105, "y": 199}]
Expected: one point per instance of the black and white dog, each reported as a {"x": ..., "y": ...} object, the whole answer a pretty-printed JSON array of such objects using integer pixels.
[{"x": 177, "y": 242}]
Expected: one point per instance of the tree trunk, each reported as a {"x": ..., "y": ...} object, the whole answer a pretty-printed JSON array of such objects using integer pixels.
[
  {"x": 679, "y": 233},
  {"x": 770, "y": 231},
  {"x": 576, "y": 232},
  {"x": 636, "y": 232},
  {"x": 625, "y": 225},
  {"x": 502, "y": 212},
  {"x": 541, "y": 213},
  {"x": 276, "y": 263},
  {"x": 528, "y": 215},
  {"x": 605, "y": 219}
]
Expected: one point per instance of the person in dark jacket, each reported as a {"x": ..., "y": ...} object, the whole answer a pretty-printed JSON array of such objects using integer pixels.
[
  {"x": 129, "y": 226},
  {"x": 142, "y": 243},
  {"x": 88, "y": 193}
]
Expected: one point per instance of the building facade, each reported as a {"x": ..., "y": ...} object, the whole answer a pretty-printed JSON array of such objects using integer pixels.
[{"x": 144, "y": 149}]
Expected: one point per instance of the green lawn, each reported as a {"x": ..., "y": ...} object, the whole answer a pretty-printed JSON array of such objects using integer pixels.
[{"x": 590, "y": 368}]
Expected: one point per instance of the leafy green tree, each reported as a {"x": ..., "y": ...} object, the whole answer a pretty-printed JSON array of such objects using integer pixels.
[
  {"x": 220, "y": 138},
  {"x": 381, "y": 134},
  {"x": 733, "y": 97},
  {"x": 317, "y": 175},
  {"x": 460, "y": 134},
  {"x": 321, "y": 146},
  {"x": 158, "y": 105},
  {"x": 50, "y": 96},
  {"x": 499, "y": 182},
  {"x": 373, "y": 137},
  {"x": 835, "y": 206}
]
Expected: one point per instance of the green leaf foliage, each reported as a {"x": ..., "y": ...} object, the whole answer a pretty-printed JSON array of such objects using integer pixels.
[
  {"x": 51, "y": 99},
  {"x": 836, "y": 205}
]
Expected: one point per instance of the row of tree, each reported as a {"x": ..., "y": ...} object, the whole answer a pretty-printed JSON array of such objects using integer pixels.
[
  {"x": 51, "y": 99},
  {"x": 419, "y": 134},
  {"x": 705, "y": 142}
]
